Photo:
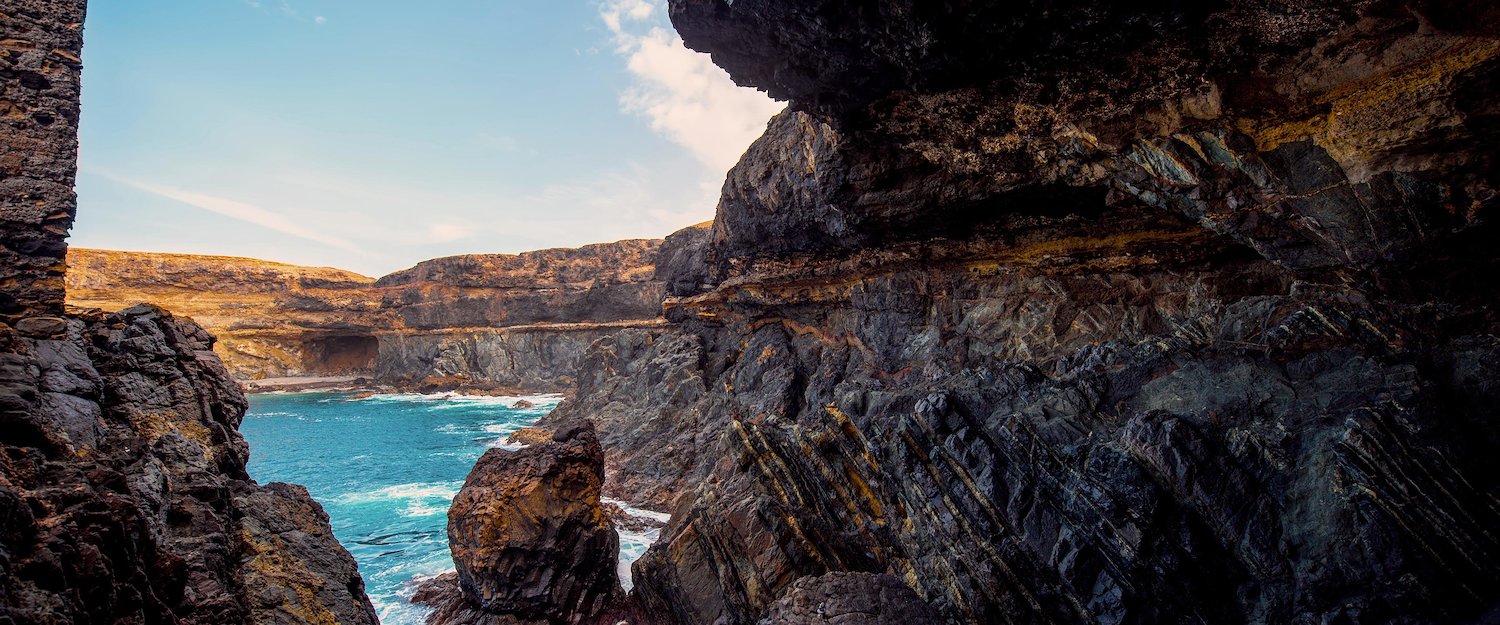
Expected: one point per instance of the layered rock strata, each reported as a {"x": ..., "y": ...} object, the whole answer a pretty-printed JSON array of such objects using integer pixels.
[
  {"x": 510, "y": 321},
  {"x": 531, "y": 542},
  {"x": 123, "y": 491},
  {"x": 1081, "y": 314},
  {"x": 39, "y": 81}
]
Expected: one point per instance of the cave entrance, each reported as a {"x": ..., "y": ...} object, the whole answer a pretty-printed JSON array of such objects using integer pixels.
[{"x": 340, "y": 354}]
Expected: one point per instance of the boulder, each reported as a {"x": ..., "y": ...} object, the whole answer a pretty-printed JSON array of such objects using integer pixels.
[{"x": 530, "y": 540}]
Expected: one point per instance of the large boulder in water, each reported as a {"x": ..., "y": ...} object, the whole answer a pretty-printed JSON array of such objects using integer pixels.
[{"x": 530, "y": 540}]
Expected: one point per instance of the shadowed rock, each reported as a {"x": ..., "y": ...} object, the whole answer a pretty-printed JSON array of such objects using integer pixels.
[{"x": 850, "y": 599}]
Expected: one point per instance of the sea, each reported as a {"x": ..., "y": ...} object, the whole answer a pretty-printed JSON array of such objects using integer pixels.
[{"x": 385, "y": 468}]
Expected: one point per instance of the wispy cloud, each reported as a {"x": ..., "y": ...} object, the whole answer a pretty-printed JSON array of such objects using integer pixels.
[
  {"x": 248, "y": 213},
  {"x": 682, "y": 94},
  {"x": 285, "y": 8}
]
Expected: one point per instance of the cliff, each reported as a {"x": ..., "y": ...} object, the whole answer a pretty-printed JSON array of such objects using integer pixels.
[
  {"x": 501, "y": 320},
  {"x": 1070, "y": 313},
  {"x": 123, "y": 491}
]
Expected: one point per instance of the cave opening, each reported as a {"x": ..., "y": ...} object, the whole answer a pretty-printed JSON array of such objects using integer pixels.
[{"x": 340, "y": 354}]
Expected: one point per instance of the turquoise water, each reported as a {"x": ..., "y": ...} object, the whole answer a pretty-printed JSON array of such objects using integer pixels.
[{"x": 385, "y": 469}]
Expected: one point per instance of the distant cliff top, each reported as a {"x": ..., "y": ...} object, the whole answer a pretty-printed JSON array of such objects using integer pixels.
[{"x": 91, "y": 269}]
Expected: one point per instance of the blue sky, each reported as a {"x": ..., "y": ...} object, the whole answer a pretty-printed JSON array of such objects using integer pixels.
[{"x": 373, "y": 134}]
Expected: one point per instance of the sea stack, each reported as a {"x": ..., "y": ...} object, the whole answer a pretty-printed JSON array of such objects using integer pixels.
[{"x": 530, "y": 540}]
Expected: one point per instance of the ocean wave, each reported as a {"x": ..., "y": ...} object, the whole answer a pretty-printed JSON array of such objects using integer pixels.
[
  {"x": 274, "y": 413},
  {"x": 422, "y": 498},
  {"x": 633, "y": 545},
  {"x": 399, "y": 611},
  {"x": 456, "y": 400},
  {"x": 538, "y": 402},
  {"x": 659, "y": 517}
]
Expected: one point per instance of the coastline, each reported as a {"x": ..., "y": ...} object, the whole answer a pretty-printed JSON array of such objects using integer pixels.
[{"x": 363, "y": 384}]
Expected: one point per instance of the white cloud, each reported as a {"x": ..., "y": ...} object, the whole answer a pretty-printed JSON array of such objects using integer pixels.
[
  {"x": 320, "y": 20},
  {"x": 681, "y": 93},
  {"x": 442, "y": 233},
  {"x": 248, "y": 213}
]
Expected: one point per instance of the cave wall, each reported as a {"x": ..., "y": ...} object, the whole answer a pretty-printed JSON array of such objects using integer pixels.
[{"x": 1065, "y": 313}]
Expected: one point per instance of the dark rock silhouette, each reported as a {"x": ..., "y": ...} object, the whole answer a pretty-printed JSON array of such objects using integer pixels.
[
  {"x": 1065, "y": 313},
  {"x": 850, "y": 599}
]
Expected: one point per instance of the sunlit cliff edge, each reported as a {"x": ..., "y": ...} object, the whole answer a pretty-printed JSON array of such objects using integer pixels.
[{"x": 496, "y": 320}]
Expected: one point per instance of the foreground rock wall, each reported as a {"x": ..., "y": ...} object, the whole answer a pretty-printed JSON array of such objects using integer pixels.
[
  {"x": 1190, "y": 322},
  {"x": 123, "y": 492},
  {"x": 126, "y": 500},
  {"x": 39, "y": 80}
]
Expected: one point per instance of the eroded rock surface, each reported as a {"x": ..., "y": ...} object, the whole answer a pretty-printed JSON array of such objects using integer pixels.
[
  {"x": 39, "y": 81},
  {"x": 1060, "y": 313},
  {"x": 530, "y": 540},
  {"x": 125, "y": 493}
]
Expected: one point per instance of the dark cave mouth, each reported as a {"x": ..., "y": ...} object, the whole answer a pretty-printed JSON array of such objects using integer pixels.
[{"x": 340, "y": 354}]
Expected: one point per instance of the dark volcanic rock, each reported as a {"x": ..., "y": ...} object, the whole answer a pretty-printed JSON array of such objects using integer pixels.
[
  {"x": 1351, "y": 147},
  {"x": 39, "y": 79},
  {"x": 850, "y": 599},
  {"x": 529, "y": 537},
  {"x": 127, "y": 498},
  {"x": 835, "y": 56},
  {"x": 1063, "y": 313},
  {"x": 297, "y": 571},
  {"x": 641, "y": 389}
]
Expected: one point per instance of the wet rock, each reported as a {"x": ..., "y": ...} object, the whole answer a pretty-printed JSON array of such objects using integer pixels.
[{"x": 529, "y": 538}]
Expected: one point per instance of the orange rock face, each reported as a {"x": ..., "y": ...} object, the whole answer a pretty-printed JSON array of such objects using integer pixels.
[
  {"x": 529, "y": 536},
  {"x": 517, "y": 321}
]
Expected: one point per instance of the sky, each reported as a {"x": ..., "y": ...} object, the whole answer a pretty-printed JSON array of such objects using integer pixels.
[{"x": 373, "y": 134}]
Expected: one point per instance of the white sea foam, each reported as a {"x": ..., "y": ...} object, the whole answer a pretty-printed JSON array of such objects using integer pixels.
[
  {"x": 262, "y": 415},
  {"x": 633, "y": 544},
  {"x": 422, "y": 498},
  {"x": 456, "y": 400},
  {"x": 659, "y": 517}
]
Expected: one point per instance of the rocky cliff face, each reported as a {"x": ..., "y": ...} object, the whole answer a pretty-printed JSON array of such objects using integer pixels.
[
  {"x": 270, "y": 319},
  {"x": 1076, "y": 314},
  {"x": 123, "y": 492},
  {"x": 124, "y": 489},
  {"x": 519, "y": 321}
]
